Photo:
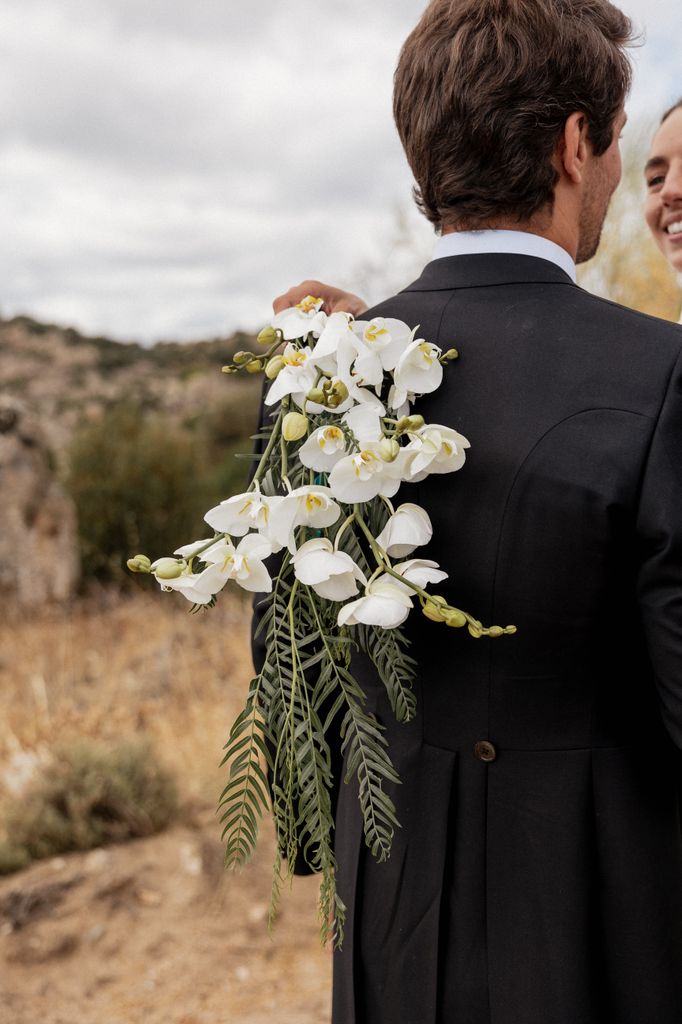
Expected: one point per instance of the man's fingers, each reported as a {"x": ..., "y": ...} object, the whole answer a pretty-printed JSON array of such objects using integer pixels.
[
  {"x": 335, "y": 299},
  {"x": 281, "y": 302},
  {"x": 295, "y": 295},
  {"x": 349, "y": 303}
]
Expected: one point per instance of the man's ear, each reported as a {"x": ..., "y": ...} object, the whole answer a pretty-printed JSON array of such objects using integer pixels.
[{"x": 572, "y": 148}]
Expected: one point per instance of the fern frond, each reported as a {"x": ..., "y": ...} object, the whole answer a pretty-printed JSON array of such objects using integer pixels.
[{"x": 397, "y": 670}]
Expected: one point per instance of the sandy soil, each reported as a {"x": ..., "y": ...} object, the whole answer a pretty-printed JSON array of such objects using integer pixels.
[{"x": 154, "y": 931}]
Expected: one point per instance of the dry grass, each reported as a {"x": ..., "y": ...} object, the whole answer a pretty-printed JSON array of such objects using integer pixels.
[{"x": 119, "y": 665}]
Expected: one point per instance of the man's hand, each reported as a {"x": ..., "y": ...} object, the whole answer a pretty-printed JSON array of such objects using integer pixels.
[{"x": 335, "y": 300}]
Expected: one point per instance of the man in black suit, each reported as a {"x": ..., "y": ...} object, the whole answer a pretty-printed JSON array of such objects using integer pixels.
[{"x": 537, "y": 876}]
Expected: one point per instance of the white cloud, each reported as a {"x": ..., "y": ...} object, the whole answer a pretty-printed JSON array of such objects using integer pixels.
[{"x": 168, "y": 167}]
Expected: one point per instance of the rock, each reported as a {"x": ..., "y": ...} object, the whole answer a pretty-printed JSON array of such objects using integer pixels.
[
  {"x": 38, "y": 950},
  {"x": 39, "y": 558},
  {"x": 19, "y": 906}
]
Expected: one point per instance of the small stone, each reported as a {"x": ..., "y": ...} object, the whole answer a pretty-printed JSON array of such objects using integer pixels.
[
  {"x": 257, "y": 913},
  {"x": 148, "y": 897},
  {"x": 190, "y": 859},
  {"x": 97, "y": 860}
]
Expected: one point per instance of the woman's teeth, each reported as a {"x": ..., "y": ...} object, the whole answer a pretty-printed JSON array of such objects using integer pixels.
[{"x": 674, "y": 229}]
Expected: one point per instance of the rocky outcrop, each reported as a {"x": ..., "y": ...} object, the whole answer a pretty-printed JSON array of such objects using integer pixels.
[{"x": 38, "y": 536}]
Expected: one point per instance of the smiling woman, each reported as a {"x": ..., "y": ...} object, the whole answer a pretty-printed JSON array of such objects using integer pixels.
[{"x": 663, "y": 173}]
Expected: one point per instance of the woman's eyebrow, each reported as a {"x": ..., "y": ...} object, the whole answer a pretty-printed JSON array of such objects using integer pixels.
[{"x": 655, "y": 161}]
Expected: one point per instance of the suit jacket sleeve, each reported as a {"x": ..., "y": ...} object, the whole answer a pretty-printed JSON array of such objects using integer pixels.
[{"x": 659, "y": 527}]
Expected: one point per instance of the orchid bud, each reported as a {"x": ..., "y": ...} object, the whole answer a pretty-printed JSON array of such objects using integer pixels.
[
  {"x": 255, "y": 366},
  {"x": 318, "y": 396},
  {"x": 455, "y": 618},
  {"x": 241, "y": 358},
  {"x": 140, "y": 563},
  {"x": 168, "y": 568},
  {"x": 327, "y": 385},
  {"x": 268, "y": 336},
  {"x": 230, "y": 369},
  {"x": 294, "y": 426},
  {"x": 389, "y": 449},
  {"x": 451, "y": 355},
  {"x": 496, "y": 631},
  {"x": 274, "y": 367},
  {"x": 409, "y": 424},
  {"x": 434, "y": 608},
  {"x": 340, "y": 390}
]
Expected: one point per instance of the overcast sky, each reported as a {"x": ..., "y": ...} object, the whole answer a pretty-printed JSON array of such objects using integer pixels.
[{"x": 167, "y": 166}]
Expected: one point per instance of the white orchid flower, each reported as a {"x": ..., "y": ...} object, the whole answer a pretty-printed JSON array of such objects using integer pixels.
[
  {"x": 418, "y": 371},
  {"x": 323, "y": 449},
  {"x": 383, "y": 604},
  {"x": 331, "y": 574},
  {"x": 336, "y": 353},
  {"x": 186, "y": 585},
  {"x": 435, "y": 449},
  {"x": 243, "y": 512},
  {"x": 408, "y": 528},
  {"x": 298, "y": 321},
  {"x": 311, "y": 506},
  {"x": 336, "y": 348},
  {"x": 364, "y": 475},
  {"x": 365, "y": 423},
  {"x": 244, "y": 564},
  {"x": 225, "y": 562},
  {"x": 420, "y": 571},
  {"x": 296, "y": 378},
  {"x": 189, "y": 550},
  {"x": 397, "y": 402},
  {"x": 381, "y": 342}
]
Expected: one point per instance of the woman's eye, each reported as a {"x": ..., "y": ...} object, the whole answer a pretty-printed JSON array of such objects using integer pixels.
[{"x": 657, "y": 180}]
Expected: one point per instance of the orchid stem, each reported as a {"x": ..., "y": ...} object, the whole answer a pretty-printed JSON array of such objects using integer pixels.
[{"x": 265, "y": 457}]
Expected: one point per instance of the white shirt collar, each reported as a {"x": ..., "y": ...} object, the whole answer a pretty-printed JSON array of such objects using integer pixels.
[{"x": 465, "y": 243}]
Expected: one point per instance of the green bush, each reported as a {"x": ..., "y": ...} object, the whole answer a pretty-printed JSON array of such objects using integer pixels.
[
  {"x": 140, "y": 484},
  {"x": 88, "y": 796}
]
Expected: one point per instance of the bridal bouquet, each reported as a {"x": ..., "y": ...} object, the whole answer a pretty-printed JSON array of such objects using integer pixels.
[{"x": 340, "y": 441}]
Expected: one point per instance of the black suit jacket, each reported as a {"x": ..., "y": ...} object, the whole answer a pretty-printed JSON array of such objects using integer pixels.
[{"x": 543, "y": 886}]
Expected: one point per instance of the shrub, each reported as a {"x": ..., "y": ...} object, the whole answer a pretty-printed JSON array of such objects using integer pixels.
[
  {"x": 140, "y": 483},
  {"x": 88, "y": 796}
]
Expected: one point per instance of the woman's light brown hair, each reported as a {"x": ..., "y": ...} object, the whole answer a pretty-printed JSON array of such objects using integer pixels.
[{"x": 483, "y": 89}]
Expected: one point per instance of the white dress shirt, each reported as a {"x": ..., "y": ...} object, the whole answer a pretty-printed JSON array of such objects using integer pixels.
[{"x": 465, "y": 243}]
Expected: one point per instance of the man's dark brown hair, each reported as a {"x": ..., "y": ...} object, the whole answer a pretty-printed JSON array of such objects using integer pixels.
[{"x": 483, "y": 89}]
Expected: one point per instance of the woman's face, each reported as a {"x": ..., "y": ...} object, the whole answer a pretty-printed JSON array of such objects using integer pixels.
[{"x": 663, "y": 174}]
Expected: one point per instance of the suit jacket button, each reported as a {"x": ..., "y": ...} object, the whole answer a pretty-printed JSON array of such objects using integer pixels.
[{"x": 485, "y": 751}]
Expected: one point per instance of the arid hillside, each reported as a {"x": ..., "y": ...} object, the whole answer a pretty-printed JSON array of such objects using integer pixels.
[{"x": 67, "y": 377}]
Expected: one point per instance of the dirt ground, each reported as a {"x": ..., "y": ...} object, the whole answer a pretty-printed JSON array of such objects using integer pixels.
[{"x": 152, "y": 930}]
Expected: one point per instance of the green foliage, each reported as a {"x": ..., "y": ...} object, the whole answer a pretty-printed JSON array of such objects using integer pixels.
[
  {"x": 142, "y": 483},
  {"x": 89, "y": 796},
  {"x": 305, "y": 694},
  {"x": 138, "y": 485}
]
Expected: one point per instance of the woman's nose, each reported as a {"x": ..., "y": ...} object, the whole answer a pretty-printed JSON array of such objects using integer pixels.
[{"x": 672, "y": 187}]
